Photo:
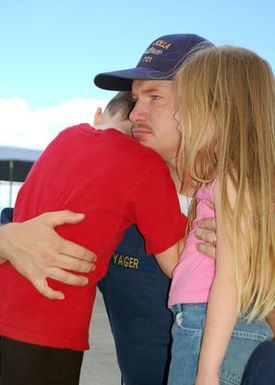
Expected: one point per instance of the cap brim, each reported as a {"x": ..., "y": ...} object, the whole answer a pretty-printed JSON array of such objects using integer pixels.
[{"x": 122, "y": 80}]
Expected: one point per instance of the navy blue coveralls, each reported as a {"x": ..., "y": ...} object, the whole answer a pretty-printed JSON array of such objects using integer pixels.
[{"x": 135, "y": 293}]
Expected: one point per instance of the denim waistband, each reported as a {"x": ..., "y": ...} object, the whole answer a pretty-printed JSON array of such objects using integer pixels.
[
  {"x": 194, "y": 316},
  {"x": 181, "y": 307}
]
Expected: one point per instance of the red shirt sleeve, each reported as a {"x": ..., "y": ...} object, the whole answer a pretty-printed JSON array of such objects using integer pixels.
[{"x": 157, "y": 209}]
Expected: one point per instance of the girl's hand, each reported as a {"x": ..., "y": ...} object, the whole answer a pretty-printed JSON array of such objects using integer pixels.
[
  {"x": 209, "y": 379},
  {"x": 271, "y": 321}
]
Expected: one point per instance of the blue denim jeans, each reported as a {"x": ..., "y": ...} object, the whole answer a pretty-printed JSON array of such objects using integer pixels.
[{"x": 187, "y": 334}]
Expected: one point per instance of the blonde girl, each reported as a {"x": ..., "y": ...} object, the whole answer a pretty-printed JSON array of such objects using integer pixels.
[{"x": 226, "y": 102}]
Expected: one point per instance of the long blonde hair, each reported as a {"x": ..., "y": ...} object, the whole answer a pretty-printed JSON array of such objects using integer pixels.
[{"x": 226, "y": 103}]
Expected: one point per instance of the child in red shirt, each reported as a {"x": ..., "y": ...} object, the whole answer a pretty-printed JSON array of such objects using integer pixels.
[{"x": 115, "y": 181}]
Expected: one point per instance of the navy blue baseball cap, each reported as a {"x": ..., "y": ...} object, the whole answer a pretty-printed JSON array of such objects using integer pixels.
[{"x": 160, "y": 61}]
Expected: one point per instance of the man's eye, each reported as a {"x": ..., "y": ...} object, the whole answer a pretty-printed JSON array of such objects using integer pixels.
[{"x": 155, "y": 97}]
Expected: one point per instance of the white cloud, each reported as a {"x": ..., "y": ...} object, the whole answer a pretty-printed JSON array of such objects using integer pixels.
[{"x": 23, "y": 127}]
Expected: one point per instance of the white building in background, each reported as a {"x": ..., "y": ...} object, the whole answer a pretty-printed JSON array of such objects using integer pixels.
[{"x": 15, "y": 163}]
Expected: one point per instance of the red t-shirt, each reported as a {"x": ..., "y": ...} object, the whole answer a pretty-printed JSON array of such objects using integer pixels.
[{"x": 115, "y": 181}]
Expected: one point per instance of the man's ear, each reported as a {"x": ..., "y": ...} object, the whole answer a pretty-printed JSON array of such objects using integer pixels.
[{"x": 98, "y": 116}]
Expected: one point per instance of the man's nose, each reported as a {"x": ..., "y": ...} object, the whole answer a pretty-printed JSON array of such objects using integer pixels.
[{"x": 138, "y": 113}]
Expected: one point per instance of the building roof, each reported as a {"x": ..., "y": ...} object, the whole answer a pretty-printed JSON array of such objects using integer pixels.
[
  {"x": 19, "y": 153},
  {"x": 15, "y": 162}
]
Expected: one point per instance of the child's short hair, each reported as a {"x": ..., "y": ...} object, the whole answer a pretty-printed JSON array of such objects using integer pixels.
[{"x": 122, "y": 103}]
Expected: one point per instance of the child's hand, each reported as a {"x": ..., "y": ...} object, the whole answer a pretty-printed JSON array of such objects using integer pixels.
[
  {"x": 209, "y": 379},
  {"x": 271, "y": 321}
]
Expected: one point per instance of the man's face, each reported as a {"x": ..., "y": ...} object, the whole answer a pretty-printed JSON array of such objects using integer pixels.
[{"x": 154, "y": 124}]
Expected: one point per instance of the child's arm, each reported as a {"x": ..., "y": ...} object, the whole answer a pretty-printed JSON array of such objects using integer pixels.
[
  {"x": 169, "y": 258},
  {"x": 222, "y": 305},
  {"x": 2, "y": 260},
  {"x": 271, "y": 321}
]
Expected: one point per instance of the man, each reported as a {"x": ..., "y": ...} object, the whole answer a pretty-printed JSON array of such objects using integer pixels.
[{"x": 136, "y": 298}]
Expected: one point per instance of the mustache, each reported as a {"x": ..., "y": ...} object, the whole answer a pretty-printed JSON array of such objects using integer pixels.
[{"x": 142, "y": 126}]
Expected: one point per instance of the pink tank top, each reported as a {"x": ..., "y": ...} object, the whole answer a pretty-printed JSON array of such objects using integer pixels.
[{"x": 194, "y": 274}]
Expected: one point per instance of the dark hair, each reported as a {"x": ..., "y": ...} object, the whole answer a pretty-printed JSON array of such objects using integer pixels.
[{"x": 122, "y": 103}]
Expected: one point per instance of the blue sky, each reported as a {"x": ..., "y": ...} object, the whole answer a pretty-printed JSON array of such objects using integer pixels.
[{"x": 52, "y": 49}]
